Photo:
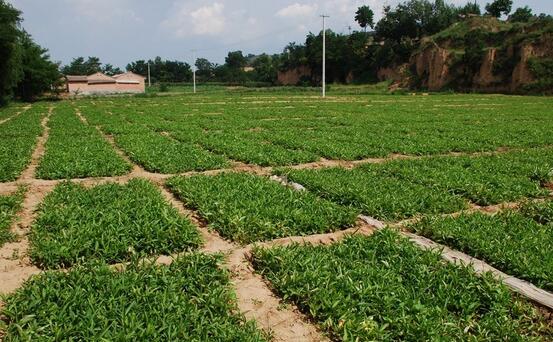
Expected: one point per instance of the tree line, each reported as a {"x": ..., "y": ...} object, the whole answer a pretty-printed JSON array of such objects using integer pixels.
[{"x": 26, "y": 70}]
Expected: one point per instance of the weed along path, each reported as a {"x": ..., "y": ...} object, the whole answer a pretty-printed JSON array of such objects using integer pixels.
[{"x": 303, "y": 250}]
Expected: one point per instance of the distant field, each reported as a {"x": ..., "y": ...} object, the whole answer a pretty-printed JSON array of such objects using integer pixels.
[{"x": 94, "y": 182}]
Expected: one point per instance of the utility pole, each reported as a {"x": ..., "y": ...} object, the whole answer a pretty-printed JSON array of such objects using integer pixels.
[
  {"x": 324, "y": 55},
  {"x": 149, "y": 79},
  {"x": 194, "y": 69}
]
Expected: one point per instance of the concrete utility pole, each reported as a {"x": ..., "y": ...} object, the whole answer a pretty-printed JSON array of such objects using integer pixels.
[
  {"x": 324, "y": 54},
  {"x": 194, "y": 69},
  {"x": 149, "y": 79}
]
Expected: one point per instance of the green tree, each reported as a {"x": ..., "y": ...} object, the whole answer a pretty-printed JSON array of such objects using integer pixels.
[
  {"x": 110, "y": 70},
  {"x": 521, "y": 15},
  {"x": 470, "y": 8},
  {"x": 80, "y": 66},
  {"x": 204, "y": 69},
  {"x": 365, "y": 17},
  {"x": 236, "y": 60},
  {"x": 265, "y": 69},
  {"x": 10, "y": 65},
  {"x": 139, "y": 67},
  {"x": 499, "y": 7},
  {"x": 40, "y": 74}
]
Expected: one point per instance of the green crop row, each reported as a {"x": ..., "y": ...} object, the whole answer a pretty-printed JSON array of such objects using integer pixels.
[
  {"x": 18, "y": 140},
  {"x": 109, "y": 222},
  {"x": 9, "y": 205},
  {"x": 383, "y": 288},
  {"x": 518, "y": 243},
  {"x": 405, "y": 188},
  {"x": 190, "y": 300},
  {"x": 74, "y": 150},
  {"x": 248, "y": 208}
]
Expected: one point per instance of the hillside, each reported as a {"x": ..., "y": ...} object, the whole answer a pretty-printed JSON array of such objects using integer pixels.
[{"x": 485, "y": 54}]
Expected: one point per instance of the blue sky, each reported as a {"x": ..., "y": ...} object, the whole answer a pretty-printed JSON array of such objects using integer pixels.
[{"x": 120, "y": 31}]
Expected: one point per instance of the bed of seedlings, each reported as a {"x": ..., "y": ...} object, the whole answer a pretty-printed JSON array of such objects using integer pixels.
[
  {"x": 110, "y": 222},
  {"x": 436, "y": 155},
  {"x": 9, "y": 205},
  {"x": 155, "y": 151},
  {"x": 383, "y": 288},
  {"x": 404, "y": 188},
  {"x": 74, "y": 150},
  {"x": 248, "y": 208},
  {"x": 516, "y": 242},
  {"x": 19, "y": 137},
  {"x": 189, "y": 300},
  {"x": 288, "y": 130}
]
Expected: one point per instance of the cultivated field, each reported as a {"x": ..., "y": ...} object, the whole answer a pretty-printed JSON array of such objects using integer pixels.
[{"x": 275, "y": 215}]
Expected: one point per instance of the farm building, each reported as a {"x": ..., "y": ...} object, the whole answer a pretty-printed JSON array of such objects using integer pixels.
[{"x": 100, "y": 83}]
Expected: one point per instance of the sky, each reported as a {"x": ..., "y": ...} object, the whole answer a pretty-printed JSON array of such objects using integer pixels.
[{"x": 121, "y": 31}]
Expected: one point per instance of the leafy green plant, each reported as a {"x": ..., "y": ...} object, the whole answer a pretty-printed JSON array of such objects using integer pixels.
[
  {"x": 384, "y": 288},
  {"x": 108, "y": 222},
  {"x": 190, "y": 300},
  {"x": 248, "y": 208}
]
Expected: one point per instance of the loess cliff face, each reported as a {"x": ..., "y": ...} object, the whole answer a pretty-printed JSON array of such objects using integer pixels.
[{"x": 503, "y": 61}]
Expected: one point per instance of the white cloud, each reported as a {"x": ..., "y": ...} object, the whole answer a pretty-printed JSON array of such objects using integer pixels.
[
  {"x": 204, "y": 20},
  {"x": 297, "y": 10}
]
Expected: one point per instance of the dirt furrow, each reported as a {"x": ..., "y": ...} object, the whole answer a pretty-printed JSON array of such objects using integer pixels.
[
  {"x": 15, "y": 265},
  {"x": 361, "y": 228},
  {"x": 256, "y": 301}
]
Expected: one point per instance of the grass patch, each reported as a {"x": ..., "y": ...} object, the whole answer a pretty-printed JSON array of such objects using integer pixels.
[
  {"x": 108, "y": 222},
  {"x": 189, "y": 300},
  {"x": 384, "y": 288},
  {"x": 510, "y": 241},
  {"x": 248, "y": 208}
]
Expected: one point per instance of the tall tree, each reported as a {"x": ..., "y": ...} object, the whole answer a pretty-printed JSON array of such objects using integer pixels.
[
  {"x": 365, "y": 17},
  {"x": 10, "y": 66},
  {"x": 110, "y": 70},
  {"x": 499, "y": 7},
  {"x": 80, "y": 66},
  {"x": 521, "y": 15},
  {"x": 204, "y": 69},
  {"x": 236, "y": 60},
  {"x": 264, "y": 69},
  {"x": 40, "y": 74}
]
